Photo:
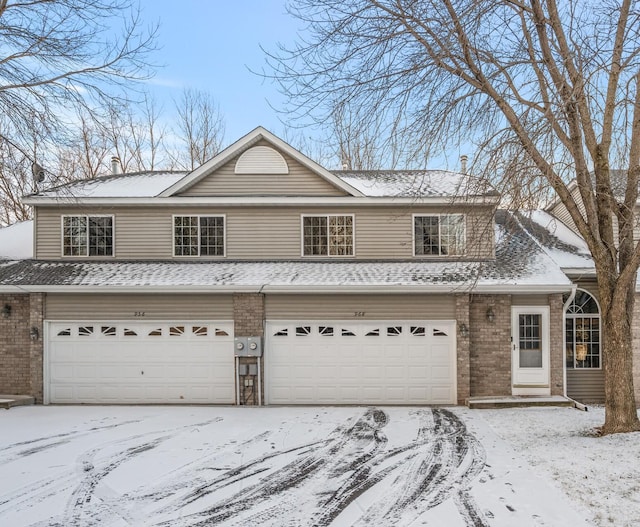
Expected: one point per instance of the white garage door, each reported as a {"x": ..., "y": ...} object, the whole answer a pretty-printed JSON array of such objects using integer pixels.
[
  {"x": 150, "y": 362},
  {"x": 341, "y": 362}
]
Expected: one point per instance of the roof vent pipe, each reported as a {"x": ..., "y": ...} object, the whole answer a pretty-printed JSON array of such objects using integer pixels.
[
  {"x": 463, "y": 163},
  {"x": 115, "y": 165}
]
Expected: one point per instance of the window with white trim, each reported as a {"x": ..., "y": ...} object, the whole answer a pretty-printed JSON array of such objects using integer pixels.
[
  {"x": 439, "y": 234},
  {"x": 87, "y": 235},
  {"x": 327, "y": 235},
  {"x": 582, "y": 332},
  {"x": 198, "y": 236}
]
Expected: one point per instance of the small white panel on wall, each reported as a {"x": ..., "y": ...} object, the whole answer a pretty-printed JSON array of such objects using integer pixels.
[{"x": 261, "y": 160}]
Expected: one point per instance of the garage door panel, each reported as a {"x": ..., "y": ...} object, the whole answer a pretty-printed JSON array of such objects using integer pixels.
[
  {"x": 141, "y": 362},
  {"x": 368, "y": 362}
]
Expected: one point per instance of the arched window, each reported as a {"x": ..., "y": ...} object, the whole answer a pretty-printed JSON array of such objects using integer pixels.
[{"x": 582, "y": 332}]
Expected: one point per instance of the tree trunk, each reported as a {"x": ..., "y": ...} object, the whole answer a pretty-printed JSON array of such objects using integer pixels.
[{"x": 620, "y": 408}]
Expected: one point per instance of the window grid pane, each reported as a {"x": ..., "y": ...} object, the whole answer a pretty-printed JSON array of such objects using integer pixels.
[
  {"x": 315, "y": 235},
  {"x": 452, "y": 234},
  {"x": 427, "y": 233},
  {"x": 212, "y": 235},
  {"x": 100, "y": 236},
  {"x": 75, "y": 236},
  {"x": 340, "y": 235},
  {"x": 185, "y": 232}
]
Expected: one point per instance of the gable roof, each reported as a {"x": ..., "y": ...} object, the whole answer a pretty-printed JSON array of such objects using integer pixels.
[{"x": 243, "y": 144}]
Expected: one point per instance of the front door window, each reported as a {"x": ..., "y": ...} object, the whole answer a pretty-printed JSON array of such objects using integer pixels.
[{"x": 530, "y": 349}]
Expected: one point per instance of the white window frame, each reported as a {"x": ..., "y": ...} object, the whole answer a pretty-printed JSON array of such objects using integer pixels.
[
  {"x": 439, "y": 215},
  {"x": 224, "y": 235},
  {"x": 327, "y": 216},
  {"x": 573, "y": 316},
  {"x": 86, "y": 217}
]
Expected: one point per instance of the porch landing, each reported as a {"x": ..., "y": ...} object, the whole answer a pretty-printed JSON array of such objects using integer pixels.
[
  {"x": 8, "y": 401},
  {"x": 516, "y": 401}
]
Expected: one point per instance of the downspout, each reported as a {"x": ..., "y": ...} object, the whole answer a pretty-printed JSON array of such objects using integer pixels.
[{"x": 564, "y": 336}]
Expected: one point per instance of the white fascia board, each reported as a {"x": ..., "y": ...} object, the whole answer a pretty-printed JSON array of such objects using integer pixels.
[
  {"x": 582, "y": 271},
  {"x": 277, "y": 201},
  {"x": 509, "y": 289},
  {"x": 293, "y": 289},
  {"x": 242, "y": 144},
  {"x": 129, "y": 289}
]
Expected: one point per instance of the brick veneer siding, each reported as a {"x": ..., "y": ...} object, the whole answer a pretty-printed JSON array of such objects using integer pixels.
[
  {"x": 490, "y": 351},
  {"x": 463, "y": 372},
  {"x": 556, "y": 339},
  {"x": 248, "y": 319},
  {"x": 21, "y": 357}
]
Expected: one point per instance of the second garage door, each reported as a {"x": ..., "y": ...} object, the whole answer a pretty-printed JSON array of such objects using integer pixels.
[{"x": 342, "y": 362}]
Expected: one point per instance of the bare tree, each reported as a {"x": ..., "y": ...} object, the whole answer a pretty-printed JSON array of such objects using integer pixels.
[
  {"x": 553, "y": 85},
  {"x": 200, "y": 127},
  {"x": 64, "y": 55}
]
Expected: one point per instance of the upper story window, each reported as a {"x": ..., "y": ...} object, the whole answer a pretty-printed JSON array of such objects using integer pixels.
[
  {"x": 198, "y": 236},
  {"x": 87, "y": 235},
  {"x": 327, "y": 235},
  {"x": 439, "y": 234}
]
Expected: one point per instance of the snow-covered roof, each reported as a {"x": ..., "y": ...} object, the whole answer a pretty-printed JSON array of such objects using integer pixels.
[
  {"x": 415, "y": 183},
  {"x": 135, "y": 185},
  {"x": 564, "y": 246},
  {"x": 520, "y": 265},
  {"x": 16, "y": 241},
  {"x": 381, "y": 183}
]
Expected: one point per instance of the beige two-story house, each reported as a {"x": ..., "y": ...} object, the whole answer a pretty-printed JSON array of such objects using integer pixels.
[{"x": 263, "y": 278}]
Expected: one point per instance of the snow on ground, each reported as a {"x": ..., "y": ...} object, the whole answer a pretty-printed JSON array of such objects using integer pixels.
[
  {"x": 598, "y": 474},
  {"x": 321, "y": 466}
]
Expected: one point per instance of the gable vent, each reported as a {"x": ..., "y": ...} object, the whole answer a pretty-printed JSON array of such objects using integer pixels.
[{"x": 261, "y": 160}]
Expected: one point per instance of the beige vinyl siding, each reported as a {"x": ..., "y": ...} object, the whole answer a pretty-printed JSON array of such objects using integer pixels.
[
  {"x": 586, "y": 386},
  {"x": 264, "y": 232},
  {"x": 561, "y": 212},
  {"x": 87, "y": 306},
  {"x": 300, "y": 181},
  {"x": 360, "y": 307},
  {"x": 530, "y": 300}
]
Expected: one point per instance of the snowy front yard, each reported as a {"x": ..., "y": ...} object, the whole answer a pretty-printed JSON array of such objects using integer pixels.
[{"x": 184, "y": 466}]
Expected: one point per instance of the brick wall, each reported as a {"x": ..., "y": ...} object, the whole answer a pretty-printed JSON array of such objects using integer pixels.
[
  {"x": 463, "y": 344},
  {"x": 248, "y": 318},
  {"x": 556, "y": 338},
  {"x": 15, "y": 346},
  {"x": 36, "y": 346},
  {"x": 490, "y": 346}
]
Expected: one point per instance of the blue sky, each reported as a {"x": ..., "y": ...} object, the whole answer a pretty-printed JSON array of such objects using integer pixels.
[{"x": 210, "y": 45}]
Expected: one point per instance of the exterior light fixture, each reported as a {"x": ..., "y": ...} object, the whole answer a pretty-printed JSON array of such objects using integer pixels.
[
  {"x": 491, "y": 316},
  {"x": 464, "y": 330},
  {"x": 34, "y": 333},
  {"x": 6, "y": 311}
]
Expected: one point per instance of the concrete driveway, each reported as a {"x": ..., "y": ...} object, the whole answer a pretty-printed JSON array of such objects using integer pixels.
[{"x": 197, "y": 466}]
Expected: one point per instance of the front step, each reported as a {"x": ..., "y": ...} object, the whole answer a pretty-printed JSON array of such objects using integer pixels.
[
  {"x": 9, "y": 401},
  {"x": 518, "y": 401}
]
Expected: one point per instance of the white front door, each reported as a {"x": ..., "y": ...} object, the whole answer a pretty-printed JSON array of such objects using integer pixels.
[{"x": 530, "y": 350}]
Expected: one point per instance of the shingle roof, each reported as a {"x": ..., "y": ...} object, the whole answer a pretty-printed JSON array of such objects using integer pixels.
[
  {"x": 133, "y": 185},
  {"x": 415, "y": 183},
  {"x": 519, "y": 263},
  {"x": 378, "y": 183}
]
